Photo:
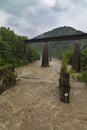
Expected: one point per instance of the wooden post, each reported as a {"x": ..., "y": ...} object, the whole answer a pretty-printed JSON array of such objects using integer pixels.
[
  {"x": 64, "y": 87},
  {"x": 76, "y": 57},
  {"x": 45, "y": 56}
]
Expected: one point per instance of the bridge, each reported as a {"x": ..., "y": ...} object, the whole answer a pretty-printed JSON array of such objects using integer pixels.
[
  {"x": 58, "y": 38},
  {"x": 45, "y": 61},
  {"x": 64, "y": 86}
]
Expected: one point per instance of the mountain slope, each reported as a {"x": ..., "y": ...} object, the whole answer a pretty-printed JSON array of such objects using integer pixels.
[
  {"x": 61, "y": 31},
  {"x": 57, "y": 47}
]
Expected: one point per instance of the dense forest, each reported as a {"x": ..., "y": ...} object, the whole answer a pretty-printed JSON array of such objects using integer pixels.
[{"x": 12, "y": 49}]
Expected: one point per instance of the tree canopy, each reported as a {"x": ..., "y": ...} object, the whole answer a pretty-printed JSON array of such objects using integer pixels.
[{"x": 12, "y": 48}]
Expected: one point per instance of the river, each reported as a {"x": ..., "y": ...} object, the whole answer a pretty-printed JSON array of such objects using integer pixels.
[{"x": 33, "y": 103}]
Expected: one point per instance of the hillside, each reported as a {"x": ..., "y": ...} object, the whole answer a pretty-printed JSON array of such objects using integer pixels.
[{"x": 58, "y": 47}]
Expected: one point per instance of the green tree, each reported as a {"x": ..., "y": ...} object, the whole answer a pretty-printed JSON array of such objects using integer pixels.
[
  {"x": 12, "y": 48},
  {"x": 84, "y": 59},
  {"x": 64, "y": 63}
]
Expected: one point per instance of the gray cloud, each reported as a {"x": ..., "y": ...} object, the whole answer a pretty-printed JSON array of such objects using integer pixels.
[{"x": 32, "y": 17}]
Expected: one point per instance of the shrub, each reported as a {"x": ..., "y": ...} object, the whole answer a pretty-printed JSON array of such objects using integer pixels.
[
  {"x": 64, "y": 63},
  {"x": 83, "y": 77}
]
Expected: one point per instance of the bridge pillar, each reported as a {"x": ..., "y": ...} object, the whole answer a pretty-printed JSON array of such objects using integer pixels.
[
  {"x": 64, "y": 87},
  {"x": 45, "y": 56},
  {"x": 76, "y": 57}
]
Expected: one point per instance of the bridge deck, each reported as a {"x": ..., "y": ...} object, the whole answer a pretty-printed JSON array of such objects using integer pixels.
[{"x": 59, "y": 38}]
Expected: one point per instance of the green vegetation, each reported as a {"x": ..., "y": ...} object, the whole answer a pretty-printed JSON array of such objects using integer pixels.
[
  {"x": 7, "y": 77},
  {"x": 64, "y": 63},
  {"x": 68, "y": 53},
  {"x": 83, "y": 77},
  {"x": 10, "y": 78},
  {"x": 84, "y": 59},
  {"x": 33, "y": 54},
  {"x": 57, "y": 47},
  {"x": 12, "y": 49},
  {"x": 66, "y": 48},
  {"x": 84, "y": 65}
]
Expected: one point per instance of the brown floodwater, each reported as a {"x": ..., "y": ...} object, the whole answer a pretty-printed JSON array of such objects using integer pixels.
[{"x": 33, "y": 104}]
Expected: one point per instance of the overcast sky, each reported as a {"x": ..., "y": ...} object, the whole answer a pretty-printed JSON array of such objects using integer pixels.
[{"x": 33, "y": 17}]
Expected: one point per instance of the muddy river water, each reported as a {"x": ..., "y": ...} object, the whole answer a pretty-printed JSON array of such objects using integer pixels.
[{"x": 33, "y": 104}]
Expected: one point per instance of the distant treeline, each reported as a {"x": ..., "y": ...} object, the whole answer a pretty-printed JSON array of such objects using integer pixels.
[{"x": 12, "y": 49}]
